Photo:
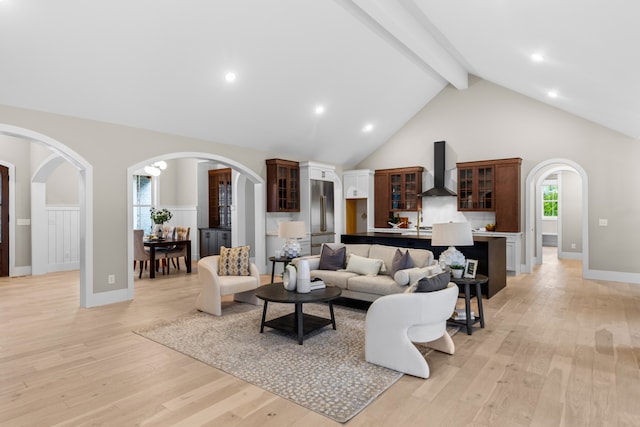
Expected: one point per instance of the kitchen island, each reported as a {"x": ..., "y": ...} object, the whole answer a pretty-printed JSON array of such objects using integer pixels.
[{"x": 491, "y": 253}]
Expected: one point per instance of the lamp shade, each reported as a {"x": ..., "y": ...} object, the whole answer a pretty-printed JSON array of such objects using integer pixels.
[
  {"x": 292, "y": 229},
  {"x": 452, "y": 234}
]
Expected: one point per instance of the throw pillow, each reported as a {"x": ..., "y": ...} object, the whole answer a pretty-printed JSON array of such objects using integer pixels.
[
  {"x": 364, "y": 266},
  {"x": 234, "y": 261},
  {"x": 434, "y": 283},
  {"x": 400, "y": 261},
  {"x": 332, "y": 258}
]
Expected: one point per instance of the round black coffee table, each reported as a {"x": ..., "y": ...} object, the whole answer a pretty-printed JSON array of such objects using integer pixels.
[{"x": 298, "y": 323}]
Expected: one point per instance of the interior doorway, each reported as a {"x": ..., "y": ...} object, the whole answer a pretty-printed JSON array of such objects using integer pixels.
[
  {"x": 4, "y": 221},
  {"x": 572, "y": 215},
  {"x": 87, "y": 296}
]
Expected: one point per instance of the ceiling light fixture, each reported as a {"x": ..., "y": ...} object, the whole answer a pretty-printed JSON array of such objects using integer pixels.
[
  {"x": 152, "y": 170},
  {"x": 230, "y": 77},
  {"x": 156, "y": 168},
  {"x": 537, "y": 57},
  {"x": 552, "y": 94},
  {"x": 319, "y": 109},
  {"x": 367, "y": 128}
]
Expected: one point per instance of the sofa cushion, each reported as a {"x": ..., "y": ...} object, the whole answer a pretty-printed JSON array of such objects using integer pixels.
[
  {"x": 421, "y": 257},
  {"x": 234, "y": 261},
  {"x": 336, "y": 278},
  {"x": 364, "y": 266},
  {"x": 386, "y": 254},
  {"x": 433, "y": 283},
  {"x": 401, "y": 261},
  {"x": 378, "y": 285},
  {"x": 410, "y": 275},
  {"x": 358, "y": 249},
  {"x": 332, "y": 258}
]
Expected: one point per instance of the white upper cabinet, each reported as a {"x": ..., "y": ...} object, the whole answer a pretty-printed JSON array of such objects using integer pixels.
[{"x": 357, "y": 183}]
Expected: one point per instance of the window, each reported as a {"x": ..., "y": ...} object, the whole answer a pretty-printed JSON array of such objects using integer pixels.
[
  {"x": 550, "y": 199},
  {"x": 142, "y": 202}
]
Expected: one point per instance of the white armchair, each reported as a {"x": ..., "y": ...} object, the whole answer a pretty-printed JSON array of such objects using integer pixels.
[
  {"x": 395, "y": 321},
  {"x": 214, "y": 287}
]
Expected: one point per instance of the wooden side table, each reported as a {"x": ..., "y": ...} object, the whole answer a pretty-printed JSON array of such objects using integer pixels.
[
  {"x": 464, "y": 286},
  {"x": 273, "y": 260}
]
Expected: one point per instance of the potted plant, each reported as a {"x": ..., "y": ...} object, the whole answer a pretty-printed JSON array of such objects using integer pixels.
[
  {"x": 457, "y": 270},
  {"x": 159, "y": 217},
  {"x": 394, "y": 221}
]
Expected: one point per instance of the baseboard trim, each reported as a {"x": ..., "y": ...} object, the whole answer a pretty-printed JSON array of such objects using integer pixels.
[
  {"x": 21, "y": 271},
  {"x": 612, "y": 276},
  {"x": 570, "y": 255},
  {"x": 110, "y": 297}
]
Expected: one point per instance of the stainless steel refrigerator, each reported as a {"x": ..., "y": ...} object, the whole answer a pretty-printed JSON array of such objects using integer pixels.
[{"x": 322, "y": 215}]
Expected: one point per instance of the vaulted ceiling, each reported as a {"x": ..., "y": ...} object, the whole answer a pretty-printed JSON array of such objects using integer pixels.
[{"x": 161, "y": 64}]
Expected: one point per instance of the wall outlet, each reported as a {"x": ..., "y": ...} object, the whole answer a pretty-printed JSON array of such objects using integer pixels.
[
  {"x": 111, "y": 279},
  {"x": 573, "y": 246},
  {"x": 602, "y": 222}
]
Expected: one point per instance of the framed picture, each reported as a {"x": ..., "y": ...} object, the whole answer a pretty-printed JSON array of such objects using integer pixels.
[{"x": 470, "y": 269}]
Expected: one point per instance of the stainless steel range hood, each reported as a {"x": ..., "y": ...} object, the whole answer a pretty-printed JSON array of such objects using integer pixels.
[{"x": 438, "y": 189}]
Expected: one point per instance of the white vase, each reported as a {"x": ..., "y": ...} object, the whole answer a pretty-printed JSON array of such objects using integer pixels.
[
  {"x": 289, "y": 278},
  {"x": 457, "y": 273},
  {"x": 158, "y": 230},
  {"x": 303, "y": 277}
]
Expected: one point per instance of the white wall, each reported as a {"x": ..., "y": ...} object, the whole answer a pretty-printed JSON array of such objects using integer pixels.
[{"x": 570, "y": 205}]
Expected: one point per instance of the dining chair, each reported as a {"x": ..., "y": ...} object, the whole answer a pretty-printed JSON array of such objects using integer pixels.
[
  {"x": 140, "y": 253},
  {"x": 181, "y": 233}
]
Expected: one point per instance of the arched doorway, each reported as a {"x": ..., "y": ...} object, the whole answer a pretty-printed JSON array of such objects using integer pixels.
[
  {"x": 244, "y": 175},
  {"x": 533, "y": 232},
  {"x": 86, "y": 203}
]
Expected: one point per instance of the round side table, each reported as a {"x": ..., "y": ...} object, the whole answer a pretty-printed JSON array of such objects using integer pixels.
[{"x": 464, "y": 286}]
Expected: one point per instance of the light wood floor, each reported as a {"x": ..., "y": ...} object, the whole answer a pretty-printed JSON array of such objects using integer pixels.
[{"x": 557, "y": 350}]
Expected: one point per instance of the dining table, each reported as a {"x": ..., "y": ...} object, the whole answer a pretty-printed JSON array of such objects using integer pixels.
[{"x": 153, "y": 244}]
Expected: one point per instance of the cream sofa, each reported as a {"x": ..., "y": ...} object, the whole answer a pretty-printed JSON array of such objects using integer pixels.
[{"x": 371, "y": 287}]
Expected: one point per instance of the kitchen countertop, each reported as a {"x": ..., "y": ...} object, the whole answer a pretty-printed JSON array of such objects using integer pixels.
[{"x": 414, "y": 232}]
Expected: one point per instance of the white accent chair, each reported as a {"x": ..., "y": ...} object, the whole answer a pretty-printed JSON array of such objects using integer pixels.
[
  {"x": 395, "y": 321},
  {"x": 214, "y": 287}
]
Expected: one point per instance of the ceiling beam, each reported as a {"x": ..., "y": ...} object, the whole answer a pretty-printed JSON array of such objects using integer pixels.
[{"x": 398, "y": 26}]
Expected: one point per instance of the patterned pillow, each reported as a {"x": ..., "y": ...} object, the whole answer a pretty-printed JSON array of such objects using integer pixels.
[{"x": 234, "y": 261}]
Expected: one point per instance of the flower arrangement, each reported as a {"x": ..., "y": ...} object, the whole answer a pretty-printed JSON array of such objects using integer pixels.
[{"x": 160, "y": 216}]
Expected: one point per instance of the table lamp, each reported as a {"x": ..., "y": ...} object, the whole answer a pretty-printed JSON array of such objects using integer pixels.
[
  {"x": 291, "y": 230},
  {"x": 452, "y": 234}
]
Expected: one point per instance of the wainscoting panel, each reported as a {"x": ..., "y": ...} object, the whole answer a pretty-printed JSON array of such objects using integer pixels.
[{"x": 64, "y": 238}]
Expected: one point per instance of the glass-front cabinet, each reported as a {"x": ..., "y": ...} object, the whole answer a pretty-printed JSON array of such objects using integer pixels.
[
  {"x": 220, "y": 198},
  {"x": 396, "y": 190},
  {"x": 476, "y": 187},
  {"x": 492, "y": 185},
  {"x": 283, "y": 186}
]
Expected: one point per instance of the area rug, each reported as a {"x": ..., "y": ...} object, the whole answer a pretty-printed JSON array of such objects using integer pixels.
[{"x": 327, "y": 374}]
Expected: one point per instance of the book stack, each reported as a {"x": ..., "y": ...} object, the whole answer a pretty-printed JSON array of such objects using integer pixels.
[
  {"x": 317, "y": 284},
  {"x": 460, "y": 314}
]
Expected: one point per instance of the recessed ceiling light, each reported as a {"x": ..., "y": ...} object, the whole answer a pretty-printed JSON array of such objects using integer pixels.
[
  {"x": 319, "y": 109},
  {"x": 552, "y": 94},
  {"x": 230, "y": 77},
  {"x": 537, "y": 57},
  {"x": 367, "y": 128}
]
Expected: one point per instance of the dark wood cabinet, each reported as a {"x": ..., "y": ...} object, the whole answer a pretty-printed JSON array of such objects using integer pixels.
[
  {"x": 492, "y": 185},
  {"x": 507, "y": 195},
  {"x": 476, "y": 186},
  {"x": 396, "y": 190},
  {"x": 220, "y": 198},
  {"x": 211, "y": 239},
  {"x": 283, "y": 186}
]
